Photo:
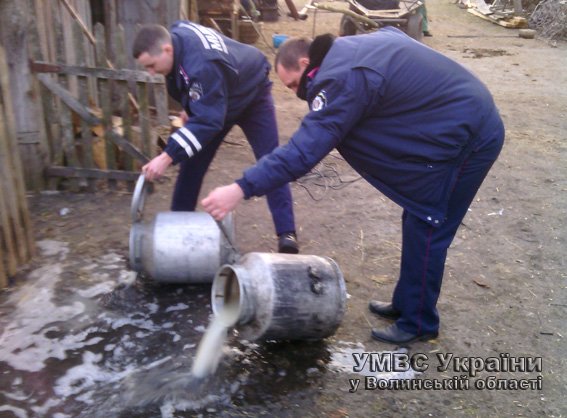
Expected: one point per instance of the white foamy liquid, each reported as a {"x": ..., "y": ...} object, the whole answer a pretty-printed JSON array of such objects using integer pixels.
[{"x": 210, "y": 348}]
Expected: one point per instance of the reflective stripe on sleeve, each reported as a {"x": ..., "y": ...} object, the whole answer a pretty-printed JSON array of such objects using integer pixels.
[
  {"x": 183, "y": 144},
  {"x": 189, "y": 136}
]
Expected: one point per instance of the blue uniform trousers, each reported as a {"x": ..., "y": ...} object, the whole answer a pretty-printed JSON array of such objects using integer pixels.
[
  {"x": 424, "y": 247},
  {"x": 258, "y": 122}
]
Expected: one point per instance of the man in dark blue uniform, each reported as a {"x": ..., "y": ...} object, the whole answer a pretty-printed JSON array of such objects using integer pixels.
[
  {"x": 219, "y": 83},
  {"x": 416, "y": 125}
]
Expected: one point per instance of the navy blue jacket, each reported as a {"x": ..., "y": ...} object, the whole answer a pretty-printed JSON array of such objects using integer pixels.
[
  {"x": 401, "y": 114},
  {"x": 214, "y": 78}
]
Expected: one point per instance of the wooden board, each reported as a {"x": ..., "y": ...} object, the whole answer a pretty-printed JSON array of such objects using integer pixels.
[{"x": 515, "y": 22}]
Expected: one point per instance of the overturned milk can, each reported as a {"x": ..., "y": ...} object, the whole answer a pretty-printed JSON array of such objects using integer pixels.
[
  {"x": 280, "y": 296},
  {"x": 178, "y": 247}
]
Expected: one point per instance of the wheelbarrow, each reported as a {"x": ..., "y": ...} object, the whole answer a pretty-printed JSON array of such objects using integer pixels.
[{"x": 365, "y": 16}]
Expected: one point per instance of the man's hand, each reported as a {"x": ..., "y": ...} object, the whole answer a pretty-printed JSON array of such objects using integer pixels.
[
  {"x": 156, "y": 167},
  {"x": 184, "y": 117},
  {"x": 222, "y": 200}
]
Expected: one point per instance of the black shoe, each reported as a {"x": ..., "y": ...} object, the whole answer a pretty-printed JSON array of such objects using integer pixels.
[
  {"x": 287, "y": 243},
  {"x": 394, "y": 335},
  {"x": 383, "y": 309},
  {"x": 427, "y": 33}
]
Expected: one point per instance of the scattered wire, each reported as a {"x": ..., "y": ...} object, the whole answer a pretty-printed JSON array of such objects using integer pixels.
[{"x": 325, "y": 176}]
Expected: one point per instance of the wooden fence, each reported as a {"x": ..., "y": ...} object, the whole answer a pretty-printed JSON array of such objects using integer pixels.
[
  {"x": 16, "y": 240},
  {"x": 101, "y": 132}
]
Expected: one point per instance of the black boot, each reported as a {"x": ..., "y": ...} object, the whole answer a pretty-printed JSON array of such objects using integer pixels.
[
  {"x": 383, "y": 309},
  {"x": 395, "y": 335},
  {"x": 287, "y": 243}
]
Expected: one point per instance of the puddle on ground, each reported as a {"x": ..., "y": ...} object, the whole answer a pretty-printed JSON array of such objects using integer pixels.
[{"x": 86, "y": 338}]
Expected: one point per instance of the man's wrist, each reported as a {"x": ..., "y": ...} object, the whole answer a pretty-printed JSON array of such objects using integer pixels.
[
  {"x": 243, "y": 184},
  {"x": 166, "y": 157}
]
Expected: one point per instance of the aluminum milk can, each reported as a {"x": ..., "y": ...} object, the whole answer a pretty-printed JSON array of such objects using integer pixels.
[
  {"x": 281, "y": 296},
  {"x": 178, "y": 247}
]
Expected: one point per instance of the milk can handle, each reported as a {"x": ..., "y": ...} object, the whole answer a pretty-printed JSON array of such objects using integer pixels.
[{"x": 138, "y": 199}]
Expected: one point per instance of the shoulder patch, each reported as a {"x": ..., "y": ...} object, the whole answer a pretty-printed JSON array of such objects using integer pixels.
[
  {"x": 319, "y": 102},
  {"x": 195, "y": 91}
]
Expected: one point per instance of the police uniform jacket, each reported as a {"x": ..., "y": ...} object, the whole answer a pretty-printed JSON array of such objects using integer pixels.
[
  {"x": 401, "y": 114},
  {"x": 214, "y": 78}
]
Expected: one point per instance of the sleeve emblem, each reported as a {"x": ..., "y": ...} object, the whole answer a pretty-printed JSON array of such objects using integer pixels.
[
  {"x": 195, "y": 91},
  {"x": 319, "y": 102}
]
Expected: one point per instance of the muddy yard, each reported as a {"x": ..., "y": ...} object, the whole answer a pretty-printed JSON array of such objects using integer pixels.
[{"x": 81, "y": 336}]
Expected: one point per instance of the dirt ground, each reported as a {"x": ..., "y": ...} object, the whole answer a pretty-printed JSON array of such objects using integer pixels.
[{"x": 504, "y": 289}]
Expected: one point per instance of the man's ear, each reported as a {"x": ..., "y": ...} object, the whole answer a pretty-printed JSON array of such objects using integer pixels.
[
  {"x": 303, "y": 62},
  {"x": 167, "y": 48}
]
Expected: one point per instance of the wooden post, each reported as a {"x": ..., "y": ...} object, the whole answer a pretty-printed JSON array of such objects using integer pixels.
[
  {"x": 235, "y": 18},
  {"x": 67, "y": 134},
  {"x": 123, "y": 89},
  {"x": 3, "y": 275},
  {"x": 14, "y": 35},
  {"x": 39, "y": 10},
  {"x": 105, "y": 101},
  {"x": 57, "y": 145},
  {"x": 69, "y": 48},
  {"x": 91, "y": 119},
  {"x": 110, "y": 29},
  {"x": 6, "y": 230},
  {"x": 42, "y": 99},
  {"x": 194, "y": 11},
  {"x": 86, "y": 133},
  {"x": 144, "y": 118},
  {"x": 68, "y": 138},
  {"x": 14, "y": 194},
  {"x": 160, "y": 93},
  {"x": 111, "y": 13}
]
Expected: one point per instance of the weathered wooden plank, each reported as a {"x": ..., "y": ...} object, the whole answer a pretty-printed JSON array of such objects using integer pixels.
[
  {"x": 160, "y": 94},
  {"x": 92, "y": 120},
  {"x": 78, "y": 20},
  {"x": 105, "y": 101},
  {"x": 515, "y": 22},
  {"x": 77, "y": 172},
  {"x": 57, "y": 155},
  {"x": 69, "y": 49},
  {"x": 123, "y": 89},
  {"x": 3, "y": 275},
  {"x": 14, "y": 16},
  {"x": 234, "y": 18},
  {"x": 68, "y": 99},
  {"x": 93, "y": 39},
  {"x": 41, "y": 135},
  {"x": 16, "y": 164},
  {"x": 67, "y": 136},
  {"x": 49, "y": 120},
  {"x": 144, "y": 116},
  {"x": 128, "y": 147},
  {"x": 6, "y": 233},
  {"x": 193, "y": 11},
  {"x": 110, "y": 25},
  {"x": 49, "y": 30},
  {"x": 39, "y": 11},
  {"x": 98, "y": 72},
  {"x": 83, "y": 82},
  {"x": 10, "y": 227}
]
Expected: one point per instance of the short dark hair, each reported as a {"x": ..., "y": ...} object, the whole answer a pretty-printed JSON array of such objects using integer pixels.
[
  {"x": 150, "y": 39},
  {"x": 291, "y": 51}
]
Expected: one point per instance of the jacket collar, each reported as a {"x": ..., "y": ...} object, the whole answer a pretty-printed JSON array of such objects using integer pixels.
[{"x": 317, "y": 52}]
